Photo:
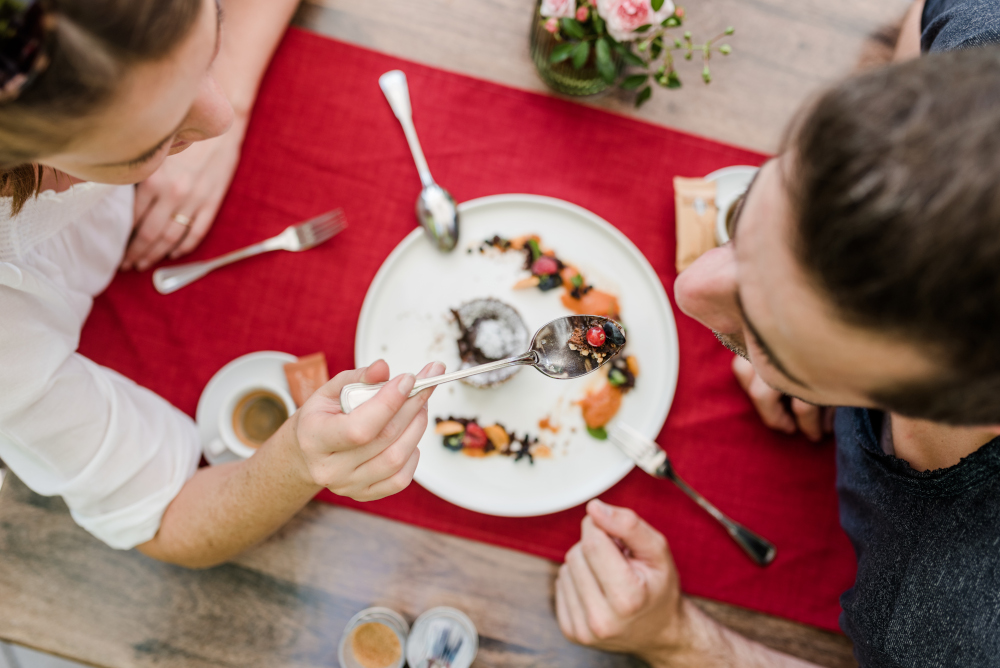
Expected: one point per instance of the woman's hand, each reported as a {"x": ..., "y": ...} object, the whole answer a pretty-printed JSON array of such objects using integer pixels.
[
  {"x": 372, "y": 452},
  {"x": 780, "y": 412},
  {"x": 176, "y": 206}
]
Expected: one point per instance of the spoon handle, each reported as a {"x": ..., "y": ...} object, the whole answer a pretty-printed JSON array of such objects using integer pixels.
[
  {"x": 394, "y": 86},
  {"x": 355, "y": 394}
]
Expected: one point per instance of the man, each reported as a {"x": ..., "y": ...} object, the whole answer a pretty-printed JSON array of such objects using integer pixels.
[{"x": 864, "y": 271}]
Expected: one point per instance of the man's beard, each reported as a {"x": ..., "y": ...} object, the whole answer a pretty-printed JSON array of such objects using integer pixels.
[{"x": 733, "y": 342}]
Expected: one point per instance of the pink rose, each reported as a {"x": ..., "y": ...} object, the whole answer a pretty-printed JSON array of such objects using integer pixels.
[
  {"x": 552, "y": 25},
  {"x": 558, "y": 8},
  {"x": 582, "y": 13},
  {"x": 624, "y": 16}
]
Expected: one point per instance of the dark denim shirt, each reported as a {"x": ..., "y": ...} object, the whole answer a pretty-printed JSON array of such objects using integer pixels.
[
  {"x": 928, "y": 546},
  {"x": 959, "y": 24}
]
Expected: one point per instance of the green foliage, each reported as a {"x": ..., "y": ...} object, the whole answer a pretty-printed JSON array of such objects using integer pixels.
[
  {"x": 561, "y": 52},
  {"x": 643, "y": 95},
  {"x": 605, "y": 66},
  {"x": 634, "y": 81},
  {"x": 651, "y": 56},
  {"x": 580, "y": 54},
  {"x": 573, "y": 28}
]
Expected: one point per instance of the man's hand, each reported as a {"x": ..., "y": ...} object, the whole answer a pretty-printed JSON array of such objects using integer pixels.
[
  {"x": 372, "y": 452},
  {"x": 188, "y": 187},
  {"x": 618, "y": 589},
  {"x": 779, "y": 412}
]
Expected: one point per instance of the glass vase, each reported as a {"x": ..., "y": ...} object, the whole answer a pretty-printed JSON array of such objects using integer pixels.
[{"x": 563, "y": 77}]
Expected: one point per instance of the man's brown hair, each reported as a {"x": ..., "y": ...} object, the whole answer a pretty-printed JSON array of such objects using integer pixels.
[
  {"x": 90, "y": 45},
  {"x": 896, "y": 189}
]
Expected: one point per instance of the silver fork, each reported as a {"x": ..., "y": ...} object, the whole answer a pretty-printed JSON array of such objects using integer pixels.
[
  {"x": 295, "y": 238},
  {"x": 652, "y": 459}
]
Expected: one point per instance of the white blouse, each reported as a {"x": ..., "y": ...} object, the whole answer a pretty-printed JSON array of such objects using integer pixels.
[{"x": 116, "y": 452}]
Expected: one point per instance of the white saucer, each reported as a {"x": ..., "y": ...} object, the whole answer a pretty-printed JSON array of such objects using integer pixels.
[
  {"x": 266, "y": 365},
  {"x": 730, "y": 183}
]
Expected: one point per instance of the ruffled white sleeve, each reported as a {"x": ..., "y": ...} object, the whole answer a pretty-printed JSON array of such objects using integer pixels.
[{"x": 116, "y": 452}]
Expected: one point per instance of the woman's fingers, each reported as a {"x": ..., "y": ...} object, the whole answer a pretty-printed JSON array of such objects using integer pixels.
[
  {"x": 157, "y": 233},
  {"x": 397, "y": 482},
  {"x": 387, "y": 460},
  {"x": 200, "y": 225}
]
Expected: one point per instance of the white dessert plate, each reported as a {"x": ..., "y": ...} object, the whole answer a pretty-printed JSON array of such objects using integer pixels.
[
  {"x": 730, "y": 183},
  {"x": 406, "y": 320},
  {"x": 266, "y": 365}
]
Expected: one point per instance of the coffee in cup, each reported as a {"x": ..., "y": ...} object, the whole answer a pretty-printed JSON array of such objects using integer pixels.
[
  {"x": 257, "y": 415},
  {"x": 251, "y": 415}
]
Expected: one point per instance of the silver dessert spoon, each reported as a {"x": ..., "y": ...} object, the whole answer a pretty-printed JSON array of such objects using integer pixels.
[
  {"x": 436, "y": 208},
  {"x": 549, "y": 352}
]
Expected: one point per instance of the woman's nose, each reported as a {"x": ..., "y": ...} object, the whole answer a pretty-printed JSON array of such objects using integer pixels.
[
  {"x": 707, "y": 291},
  {"x": 210, "y": 115}
]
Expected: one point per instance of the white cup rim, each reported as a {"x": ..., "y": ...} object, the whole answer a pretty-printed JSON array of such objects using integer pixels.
[{"x": 226, "y": 433}]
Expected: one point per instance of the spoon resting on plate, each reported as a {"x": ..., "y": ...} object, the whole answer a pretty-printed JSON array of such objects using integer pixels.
[{"x": 549, "y": 352}]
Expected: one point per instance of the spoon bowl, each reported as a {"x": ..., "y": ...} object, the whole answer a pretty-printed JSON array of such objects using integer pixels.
[
  {"x": 438, "y": 215},
  {"x": 558, "y": 350}
]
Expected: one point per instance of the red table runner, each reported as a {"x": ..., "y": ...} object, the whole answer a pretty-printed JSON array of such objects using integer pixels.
[{"x": 322, "y": 136}]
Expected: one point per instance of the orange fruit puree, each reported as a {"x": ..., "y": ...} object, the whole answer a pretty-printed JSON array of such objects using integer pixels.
[{"x": 600, "y": 405}]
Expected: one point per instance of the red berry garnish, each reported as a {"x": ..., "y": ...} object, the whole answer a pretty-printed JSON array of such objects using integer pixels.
[
  {"x": 474, "y": 437},
  {"x": 544, "y": 265},
  {"x": 595, "y": 337}
]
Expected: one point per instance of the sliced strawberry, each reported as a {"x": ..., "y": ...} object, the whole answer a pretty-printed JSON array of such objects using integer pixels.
[
  {"x": 475, "y": 437},
  {"x": 544, "y": 266}
]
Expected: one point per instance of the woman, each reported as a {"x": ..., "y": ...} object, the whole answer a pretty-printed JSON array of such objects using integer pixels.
[{"x": 95, "y": 95}]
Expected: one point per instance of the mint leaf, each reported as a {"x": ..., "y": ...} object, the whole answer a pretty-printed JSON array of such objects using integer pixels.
[
  {"x": 600, "y": 433},
  {"x": 656, "y": 5}
]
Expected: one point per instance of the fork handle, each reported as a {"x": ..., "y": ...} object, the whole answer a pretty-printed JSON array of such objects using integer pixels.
[
  {"x": 171, "y": 279},
  {"x": 761, "y": 550}
]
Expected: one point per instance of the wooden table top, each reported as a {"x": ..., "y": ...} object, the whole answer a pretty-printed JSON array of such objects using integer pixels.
[{"x": 286, "y": 602}]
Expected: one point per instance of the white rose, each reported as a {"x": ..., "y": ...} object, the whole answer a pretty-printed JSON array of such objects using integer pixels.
[
  {"x": 624, "y": 16},
  {"x": 559, "y": 8}
]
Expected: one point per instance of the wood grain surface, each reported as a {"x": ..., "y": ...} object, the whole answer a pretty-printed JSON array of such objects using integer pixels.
[
  {"x": 783, "y": 52},
  {"x": 286, "y": 602}
]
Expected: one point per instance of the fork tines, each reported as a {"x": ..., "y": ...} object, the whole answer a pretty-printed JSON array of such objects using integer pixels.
[
  {"x": 319, "y": 229},
  {"x": 644, "y": 452}
]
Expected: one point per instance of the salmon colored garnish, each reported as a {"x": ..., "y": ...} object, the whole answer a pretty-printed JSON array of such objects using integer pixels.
[
  {"x": 542, "y": 451},
  {"x": 633, "y": 364},
  {"x": 594, "y": 302},
  {"x": 568, "y": 273},
  {"x": 600, "y": 405},
  {"x": 546, "y": 423}
]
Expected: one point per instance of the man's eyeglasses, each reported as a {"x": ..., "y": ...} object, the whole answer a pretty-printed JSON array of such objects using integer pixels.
[{"x": 24, "y": 31}]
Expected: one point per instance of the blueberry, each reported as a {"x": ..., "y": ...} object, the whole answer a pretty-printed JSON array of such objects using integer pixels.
[
  {"x": 614, "y": 334},
  {"x": 549, "y": 282}
]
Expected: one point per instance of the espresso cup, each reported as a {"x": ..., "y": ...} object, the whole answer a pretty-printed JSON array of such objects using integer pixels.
[{"x": 250, "y": 416}]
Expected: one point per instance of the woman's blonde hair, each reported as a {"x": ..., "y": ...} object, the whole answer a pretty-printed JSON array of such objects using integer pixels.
[{"x": 89, "y": 46}]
